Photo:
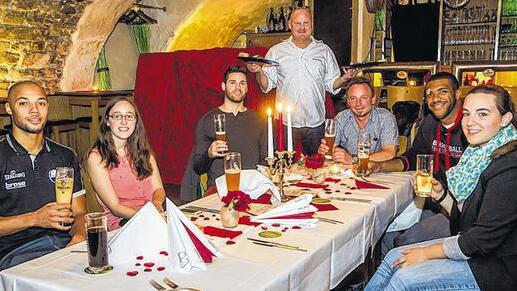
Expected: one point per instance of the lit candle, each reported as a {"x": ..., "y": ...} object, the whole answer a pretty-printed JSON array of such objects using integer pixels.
[
  {"x": 269, "y": 133},
  {"x": 280, "y": 133},
  {"x": 289, "y": 130}
]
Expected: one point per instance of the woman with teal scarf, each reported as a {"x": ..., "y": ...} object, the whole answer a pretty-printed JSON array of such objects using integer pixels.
[{"x": 481, "y": 202}]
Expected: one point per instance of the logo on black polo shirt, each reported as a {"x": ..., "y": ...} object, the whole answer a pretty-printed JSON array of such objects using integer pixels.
[
  {"x": 14, "y": 185},
  {"x": 52, "y": 175}
]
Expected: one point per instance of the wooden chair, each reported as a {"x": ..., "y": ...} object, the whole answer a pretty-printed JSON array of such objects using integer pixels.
[
  {"x": 84, "y": 123},
  {"x": 404, "y": 93},
  {"x": 64, "y": 131}
]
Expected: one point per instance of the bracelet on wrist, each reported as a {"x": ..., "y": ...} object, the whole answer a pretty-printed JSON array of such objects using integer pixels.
[{"x": 444, "y": 195}]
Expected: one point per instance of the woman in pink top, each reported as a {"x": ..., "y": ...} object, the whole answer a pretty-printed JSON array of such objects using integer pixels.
[{"x": 121, "y": 166}]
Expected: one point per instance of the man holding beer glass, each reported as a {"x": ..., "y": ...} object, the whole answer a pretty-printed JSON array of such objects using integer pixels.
[
  {"x": 32, "y": 223},
  {"x": 377, "y": 124},
  {"x": 229, "y": 127}
]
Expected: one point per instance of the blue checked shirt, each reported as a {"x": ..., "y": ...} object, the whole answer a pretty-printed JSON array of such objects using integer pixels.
[{"x": 382, "y": 128}]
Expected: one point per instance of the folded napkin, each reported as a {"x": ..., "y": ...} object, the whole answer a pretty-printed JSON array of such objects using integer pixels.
[
  {"x": 297, "y": 211},
  {"x": 367, "y": 185},
  {"x": 311, "y": 185},
  {"x": 246, "y": 220},
  {"x": 134, "y": 238},
  {"x": 253, "y": 183},
  {"x": 263, "y": 199},
  {"x": 189, "y": 247},
  {"x": 325, "y": 207},
  {"x": 221, "y": 232}
]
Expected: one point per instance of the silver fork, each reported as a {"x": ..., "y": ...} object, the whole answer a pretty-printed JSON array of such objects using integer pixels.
[
  {"x": 175, "y": 286},
  {"x": 158, "y": 286}
]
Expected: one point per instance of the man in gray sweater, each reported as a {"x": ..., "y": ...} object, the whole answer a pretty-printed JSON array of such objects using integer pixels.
[{"x": 245, "y": 131}]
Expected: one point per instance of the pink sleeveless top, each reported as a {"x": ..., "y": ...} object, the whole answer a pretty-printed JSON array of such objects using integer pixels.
[{"x": 130, "y": 191}]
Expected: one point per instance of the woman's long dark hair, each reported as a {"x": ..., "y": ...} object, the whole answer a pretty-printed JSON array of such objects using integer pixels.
[{"x": 137, "y": 145}]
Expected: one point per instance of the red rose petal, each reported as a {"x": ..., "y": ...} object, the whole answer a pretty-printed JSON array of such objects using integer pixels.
[
  {"x": 140, "y": 257},
  {"x": 217, "y": 219},
  {"x": 160, "y": 268},
  {"x": 264, "y": 227},
  {"x": 206, "y": 218},
  {"x": 148, "y": 270},
  {"x": 230, "y": 242},
  {"x": 276, "y": 224},
  {"x": 201, "y": 215},
  {"x": 284, "y": 230},
  {"x": 149, "y": 264},
  {"x": 193, "y": 218},
  {"x": 137, "y": 264},
  {"x": 296, "y": 227},
  {"x": 164, "y": 253},
  {"x": 348, "y": 192},
  {"x": 132, "y": 273}
]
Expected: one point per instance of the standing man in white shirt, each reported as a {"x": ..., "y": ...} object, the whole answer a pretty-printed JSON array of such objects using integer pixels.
[{"x": 307, "y": 69}]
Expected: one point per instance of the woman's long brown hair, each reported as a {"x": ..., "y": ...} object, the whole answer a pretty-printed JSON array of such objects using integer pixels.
[{"x": 137, "y": 145}]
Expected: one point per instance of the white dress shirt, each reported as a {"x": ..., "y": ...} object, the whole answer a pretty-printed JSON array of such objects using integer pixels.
[{"x": 302, "y": 78}]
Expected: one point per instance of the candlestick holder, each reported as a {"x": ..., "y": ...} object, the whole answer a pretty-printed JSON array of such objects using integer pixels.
[{"x": 278, "y": 167}]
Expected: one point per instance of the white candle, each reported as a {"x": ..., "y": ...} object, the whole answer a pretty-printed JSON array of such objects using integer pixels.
[
  {"x": 289, "y": 130},
  {"x": 269, "y": 133}
]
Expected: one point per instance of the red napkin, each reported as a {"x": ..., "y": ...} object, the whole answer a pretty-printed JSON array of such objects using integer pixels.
[
  {"x": 325, "y": 207},
  {"x": 246, "y": 220},
  {"x": 329, "y": 179},
  {"x": 305, "y": 215},
  {"x": 263, "y": 199},
  {"x": 203, "y": 251},
  {"x": 225, "y": 233},
  {"x": 211, "y": 190},
  {"x": 311, "y": 185},
  {"x": 367, "y": 185}
]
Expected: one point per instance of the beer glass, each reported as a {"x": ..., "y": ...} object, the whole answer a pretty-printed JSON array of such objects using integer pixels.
[
  {"x": 424, "y": 174},
  {"x": 363, "y": 152},
  {"x": 232, "y": 170},
  {"x": 97, "y": 242},
  {"x": 220, "y": 127},
  {"x": 64, "y": 184},
  {"x": 330, "y": 136}
]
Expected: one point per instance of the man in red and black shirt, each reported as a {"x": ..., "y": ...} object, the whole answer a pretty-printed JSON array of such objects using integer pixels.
[{"x": 439, "y": 134}]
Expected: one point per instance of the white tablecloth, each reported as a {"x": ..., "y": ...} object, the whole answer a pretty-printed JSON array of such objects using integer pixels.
[{"x": 334, "y": 250}]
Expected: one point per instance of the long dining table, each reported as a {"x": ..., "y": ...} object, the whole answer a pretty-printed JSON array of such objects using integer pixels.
[{"x": 334, "y": 250}]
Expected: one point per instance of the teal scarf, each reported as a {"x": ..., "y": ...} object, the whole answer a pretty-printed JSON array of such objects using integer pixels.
[{"x": 463, "y": 178}]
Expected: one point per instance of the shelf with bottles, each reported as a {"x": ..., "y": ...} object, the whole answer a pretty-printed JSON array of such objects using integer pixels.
[
  {"x": 480, "y": 13},
  {"x": 471, "y": 24},
  {"x": 484, "y": 34},
  {"x": 472, "y": 54},
  {"x": 507, "y": 53}
]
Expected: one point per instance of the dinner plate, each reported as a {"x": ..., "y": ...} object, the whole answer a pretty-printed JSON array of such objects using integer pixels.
[{"x": 258, "y": 60}]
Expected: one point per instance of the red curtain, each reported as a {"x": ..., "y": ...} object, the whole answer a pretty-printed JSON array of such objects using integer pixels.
[{"x": 173, "y": 90}]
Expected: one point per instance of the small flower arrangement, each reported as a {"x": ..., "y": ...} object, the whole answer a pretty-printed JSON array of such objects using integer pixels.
[
  {"x": 237, "y": 200},
  {"x": 315, "y": 161}
]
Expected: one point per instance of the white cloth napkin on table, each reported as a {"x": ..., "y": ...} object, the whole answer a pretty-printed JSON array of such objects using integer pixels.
[
  {"x": 298, "y": 205},
  {"x": 184, "y": 255},
  {"x": 253, "y": 183},
  {"x": 145, "y": 234}
]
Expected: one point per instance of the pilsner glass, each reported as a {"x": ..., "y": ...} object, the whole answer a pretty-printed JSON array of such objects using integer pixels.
[
  {"x": 424, "y": 174},
  {"x": 330, "y": 136},
  {"x": 97, "y": 242},
  {"x": 363, "y": 152},
  {"x": 232, "y": 170},
  {"x": 220, "y": 127}
]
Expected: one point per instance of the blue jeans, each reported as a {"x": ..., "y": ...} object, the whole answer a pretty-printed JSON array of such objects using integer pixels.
[
  {"x": 441, "y": 274},
  {"x": 34, "y": 249}
]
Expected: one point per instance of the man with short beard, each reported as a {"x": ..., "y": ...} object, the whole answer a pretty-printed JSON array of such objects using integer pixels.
[
  {"x": 307, "y": 68},
  {"x": 439, "y": 134},
  {"x": 32, "y": 224},
  {"x": 378, "y": 123},
  {"x": 245, "y": 130}
]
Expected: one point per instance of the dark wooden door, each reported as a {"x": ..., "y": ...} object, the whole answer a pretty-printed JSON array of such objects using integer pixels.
[{"x": 333, "y": 25}]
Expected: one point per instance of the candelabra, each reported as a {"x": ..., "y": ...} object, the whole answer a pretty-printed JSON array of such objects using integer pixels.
[{"x": 278, "y": 167}]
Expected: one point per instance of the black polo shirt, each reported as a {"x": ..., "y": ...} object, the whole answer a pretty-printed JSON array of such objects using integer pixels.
[{"x": 27, "y": 184}]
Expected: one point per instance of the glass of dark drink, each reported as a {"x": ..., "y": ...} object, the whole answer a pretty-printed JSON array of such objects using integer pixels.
[{"x": 97, "y": 241}]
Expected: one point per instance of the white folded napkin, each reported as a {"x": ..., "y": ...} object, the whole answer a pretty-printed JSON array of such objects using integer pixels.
[
  {"x": 184, "y": 255},
  {"x": 409, "y": 216},
  {"x": 253, "y": 183},
  {"x": 298, "y": 205},
  {"x": 145, "y": 234}
]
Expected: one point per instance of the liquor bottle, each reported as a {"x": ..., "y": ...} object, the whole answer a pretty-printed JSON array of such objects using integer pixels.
[
  {"x": 281, "y": 20},
  {"x": 271, "y": 20}
]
